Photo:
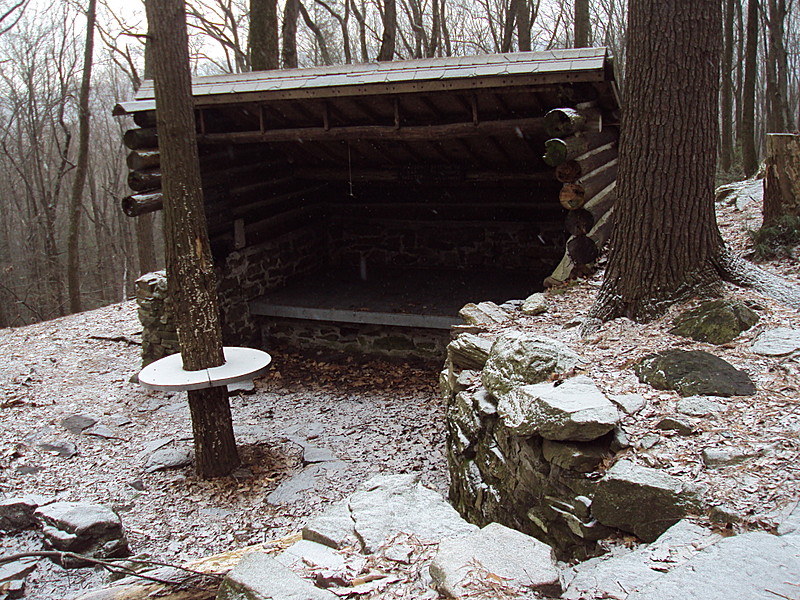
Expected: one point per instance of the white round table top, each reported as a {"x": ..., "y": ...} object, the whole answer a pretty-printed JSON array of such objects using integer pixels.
[{"x": 167, "y": 374}]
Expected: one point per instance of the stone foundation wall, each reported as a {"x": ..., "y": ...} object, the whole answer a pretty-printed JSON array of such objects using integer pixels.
[
  {"x": 159, "y": 336},
  {"x": 253, "y": 271},
  {"x": 505, "y": 474},
  {"x": 457, "y": 245},
  {"x": 373, "y": 340}
]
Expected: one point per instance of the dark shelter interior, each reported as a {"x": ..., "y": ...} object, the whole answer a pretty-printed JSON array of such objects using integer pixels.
[{"x": 385, "y": 194}]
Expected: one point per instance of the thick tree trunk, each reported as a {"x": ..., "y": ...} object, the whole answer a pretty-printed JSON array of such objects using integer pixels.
[
  {"x": 190, "y": 270},
  {"x": 666, "y": 240},
  {"x": 76, "y": 200},
  {"x": 782, "y": 182},
  {"x": 263, "y": 35},
  {"x": 749, "y": 152}
]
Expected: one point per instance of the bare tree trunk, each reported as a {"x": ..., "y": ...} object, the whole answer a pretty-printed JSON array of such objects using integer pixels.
[
  {"x": 582, "y": 26},
  {"x": 523, "y": 26},
  {"x": 76, "y": 203},
  {"x": 666, "y": 242},
  {"x": 289, "y": 30},
  {"x": 263, "y": 35},
  {"x": 749, "y": 153},
  {"x": 780, "y": 116},
  {"x": 190, "y": 269},
  {"x": 389, "y": 38},
  {"x": 726, "y": 89}
]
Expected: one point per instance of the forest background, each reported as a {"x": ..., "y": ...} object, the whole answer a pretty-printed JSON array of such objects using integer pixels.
[{"x": 65, "y": 245}]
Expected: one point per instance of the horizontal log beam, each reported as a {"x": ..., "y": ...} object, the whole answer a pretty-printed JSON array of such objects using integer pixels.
[
  {"x": 576, "y": 195},
  {"x": 572, "y": 170},
  {"x": 428, "y": 175},
  {"x": 558, "y": 150},
  {"x": 517, "y": 127}
]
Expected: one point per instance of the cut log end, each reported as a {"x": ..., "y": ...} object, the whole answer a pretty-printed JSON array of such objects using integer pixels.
[
  {"x": 141, "y": 204},
  {"x": 582, "y": 250},
  {"x": 572, "y": 196},
  {"x": 579, "y": 222}
]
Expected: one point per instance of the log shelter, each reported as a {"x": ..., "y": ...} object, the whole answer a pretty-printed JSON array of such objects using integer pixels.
[{"x": 350, "y": 198}]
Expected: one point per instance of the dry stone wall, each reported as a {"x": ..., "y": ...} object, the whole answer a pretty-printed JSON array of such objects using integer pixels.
[
  {"x": 529, "y": 443},
  {"x": 159, "y": 336}
]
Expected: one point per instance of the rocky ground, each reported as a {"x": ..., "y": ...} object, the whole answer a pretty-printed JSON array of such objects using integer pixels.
[{"x": 312, "y": 431}]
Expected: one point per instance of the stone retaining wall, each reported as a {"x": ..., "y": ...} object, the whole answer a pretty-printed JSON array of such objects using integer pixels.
[
  {"x": 528, "y": 446},
  {"x": 159, "y": 336},
  {"x": 376, "y": 340}
]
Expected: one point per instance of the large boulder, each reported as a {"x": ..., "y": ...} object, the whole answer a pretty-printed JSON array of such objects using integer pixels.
[
  {"x": 574, "y": 410},
  {"x": 89, "y": 529},
  {"x": 467, "y": 565},
  {"x": 642, "y": 500},
  {"x": 693, "y": 373},
  {"x": 518, "y": 359},
  {"x": 715, "y": 321}
]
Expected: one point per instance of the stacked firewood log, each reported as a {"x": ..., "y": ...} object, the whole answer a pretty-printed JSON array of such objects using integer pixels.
[{"x": 583, "y": 152}]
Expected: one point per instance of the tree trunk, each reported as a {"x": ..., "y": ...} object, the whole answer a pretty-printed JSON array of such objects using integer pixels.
[
  {"x": 666, "y": 241},
  {"x": 726, "y": 90},
  {"x": 749, "y": 153},
  {"x": 777, "y": 67},
  {"x": 523, "y": 26},
  {"x": 190, "y": 269},
  {"x": 76, "y": 200},
  {"x": 582, "y": 27},
  {"x": 289, "y": 30},
  {"x": 782, "y": 183},
  {"x": 386, "y": 52},
  {"x": 263, "y": 35}
]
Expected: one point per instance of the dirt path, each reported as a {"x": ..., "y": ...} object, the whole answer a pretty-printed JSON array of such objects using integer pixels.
[{"x": 357, "y": 419}]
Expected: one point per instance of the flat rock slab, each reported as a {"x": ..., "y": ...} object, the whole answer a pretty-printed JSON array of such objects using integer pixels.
[
  {"x": 755, "y": 566},
  {"x": 168, "y": 458},
  {"x": 699, "y": 406},
  {"x": 469, "y": 351},
  {"x": 575, "y": 410},
  {"x": 715, "y": 321},
  {"x": 258, "y": 576},
  {"x": 382, "y": 508},
  {"x": 465, "y": 564},
  {"x": 777, "y": 342},
  {"x": 581, "y": 457},
  {"x": 83, "y": 528},
  {"x": 693, "y": 373},
  {"x": 617, "y": 574},
  {"x": 518, "y": 359},
  {"x": 334, "y": 527},
  {"x": 642, "y": 500},
  {"x": 306, "y": 553},
  {"x": 630, "y": 404},
  {"x": 388, "y": 505},
  {"x": 62, "y": 448},
  {"x": 77, "y": 423}
]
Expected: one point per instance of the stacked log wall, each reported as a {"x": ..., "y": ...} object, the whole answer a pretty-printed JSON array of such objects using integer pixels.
[{"x": 584, "y": 158}]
